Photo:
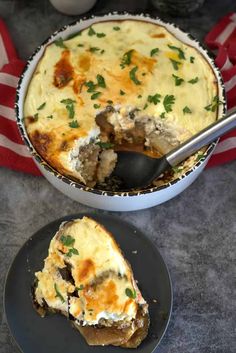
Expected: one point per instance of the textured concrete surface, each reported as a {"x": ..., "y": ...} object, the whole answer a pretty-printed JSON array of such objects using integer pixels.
[{"x": 195, "y": 232}]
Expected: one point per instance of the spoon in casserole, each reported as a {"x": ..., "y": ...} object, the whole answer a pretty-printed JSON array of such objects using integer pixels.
[{"x": 137, "y": 170}]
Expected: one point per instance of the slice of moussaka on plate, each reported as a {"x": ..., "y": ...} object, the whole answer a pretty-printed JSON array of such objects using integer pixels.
[
  {"x": 86, "y": 277},
  {"x": 117, "y": 85}
]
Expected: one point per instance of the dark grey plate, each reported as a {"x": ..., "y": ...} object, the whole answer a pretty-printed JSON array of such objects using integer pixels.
[{"x": 54, "y": 332}]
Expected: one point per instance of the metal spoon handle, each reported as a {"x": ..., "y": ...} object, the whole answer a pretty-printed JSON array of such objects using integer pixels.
[{"x": 201, "y": 139}]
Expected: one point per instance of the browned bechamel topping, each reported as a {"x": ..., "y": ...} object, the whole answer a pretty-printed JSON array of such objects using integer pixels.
[
  {"x": 86, "y": 269},
  {"x": 63, "y": 73},
  {"x": 158, "y": 35},
  {"x": 41, "y": 141}
]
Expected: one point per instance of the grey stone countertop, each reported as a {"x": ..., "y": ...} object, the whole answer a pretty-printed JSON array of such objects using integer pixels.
[{"x": 195, "y": 232}]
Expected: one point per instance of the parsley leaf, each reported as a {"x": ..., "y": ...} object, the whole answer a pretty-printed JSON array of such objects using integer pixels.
[
  {"x": 101, "y": 81},
  {"x": 95, "y": 95},
  {"x": 59, "y": 43},
  {"x": 132, "y": 75},
  {"x": 71, "y": 110},
  {"x": 71, "y": 252},
  {"x": 186, "y": 110},
  {"x": 168, "y": 101},
  {"x": 74, "y": 124},
  {"x": 162, "y": 115},
  {"x": 177, "y": 169},
  {"x": 100, "y": 35},
  {"x": 80, "y": 287},
  {"x": 97, "y": 106},
  {"x": 154, "y": 51},
  {"x": 80, "y": 45},
  {"x": 94, "y": 49},
  {"x": 68, "y": 101},
  {"x": 175, "y": 64},
  {"x": 91, "y": 32},
  {"x": 110, "y": 102},
  {"x": 105, "y": 145},
  {"x": 154, "y": 99},
  {"x": 67, "y": 240},
  {"x": 36, "y": 117},
  {"x": 91, "y": 86},
  {"x": 58, "y": 294},
  {"x": 126, "y": 59},
  {"x": 122, "y": 93},
  {"x": 145, "y": 106},
  {"x": 116, "y": 28},
  {"x": 199, "y": 157},
  {"x": 192, "y": 58},
  {"x": 50, "y": 117},
  {"x": 131, "y": 294},
  {"x": 74, "y": 35},
  {"x": 194, "y": 80},
  {"x": 41, "y": 106},
  {"x": 178, "y": 80},
  {"x": 213, "y": 106},
  {"x": 181, "y": 54}
]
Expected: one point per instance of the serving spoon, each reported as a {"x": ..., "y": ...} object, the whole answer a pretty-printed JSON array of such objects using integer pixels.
[{"x": 137, "y": 170}]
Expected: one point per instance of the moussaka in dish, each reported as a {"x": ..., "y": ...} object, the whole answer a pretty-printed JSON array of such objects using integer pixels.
[
  {"x": 116, "y": 85},
  {"x": 86, "y": 278}
]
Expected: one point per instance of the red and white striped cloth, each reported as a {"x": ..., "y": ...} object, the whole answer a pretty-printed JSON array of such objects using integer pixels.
[{"x": 13, "y": 152}]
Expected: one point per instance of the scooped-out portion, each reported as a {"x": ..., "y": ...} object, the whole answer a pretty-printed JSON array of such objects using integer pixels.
[
  {"x": 86, "y": 278},
  {"x": 117, "y": 85}
]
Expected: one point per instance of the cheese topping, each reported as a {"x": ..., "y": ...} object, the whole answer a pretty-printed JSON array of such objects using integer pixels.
[
  {"x": 86, "y": 275},
  {"x": 127, "y": 64}
]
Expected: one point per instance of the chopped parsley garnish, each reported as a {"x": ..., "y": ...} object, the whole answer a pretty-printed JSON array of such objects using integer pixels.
[
  {"x": 75, "y": 35},
  {"x": 80, "y": 45},
  {"x": 69, "y": 107},
  {"x": 80, "y": 287},
  {"x": 162, "y": 115},
  {"x": 97, "y": 106},
  {"x": 50, "y": 117},
  {"x": 132, "y": 75},
  {"x": 91, "y": 32},
  {"x": 91, "y": 86},
  {"x": 139, "y": 96},
  {"x": 105, "y": 145},
  {"x": 71, "y": 252},
  {"x": 154, "y": 51},
  {"x": 94, "y": 49},
  {"x": 145, "y": 106},
  {"x": 41, "y": 106},
  {"x": 144, "y": 74},
  {"x": 181, "y": 54},
  {"x": 100, "y": 35},
  {"x": 59, "y": 43},
  {"x": 192, "y": 58},
  {"x": 101, "y": 81},
  {"x": 74, "y": 124},
  {"x": 36, "y": 116},
  {"x": 168, "y": 101},
  {"x": 102, "y": 51},
  {"x": 110, "y": 102},
  {"x": 67, "y": 240},
  {"x": 95, "y": 95},
  {"x": 177, "y": 169},
  {"x": 58, "y": 294},
  {"x": 71, "y": 110},
  {"x": 68, "y": 101},
  {"x": 154, "y": 99},
  {"x": 186, "y": 110},
  {"x": 194, "y": 80},
  {"x": 178, "y": 80},
  {"x": 213, "y": 106},
  {"x": 175, "y": 64},
  {"x": 116, "y": 28},
  {"x": 126, "y": 59},
  {"x": 199, "y": 157},
  {"x": 131, "y": 294},
  {"x": 122, "y": 93}
]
